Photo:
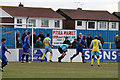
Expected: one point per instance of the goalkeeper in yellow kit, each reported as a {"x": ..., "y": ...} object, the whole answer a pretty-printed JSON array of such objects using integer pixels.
[
  {"x": 95, "y": 44},
  {"x": 48, "y": 45}
]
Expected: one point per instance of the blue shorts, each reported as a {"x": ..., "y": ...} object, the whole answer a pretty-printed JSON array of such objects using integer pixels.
[
  {"x": 95, "y": 53},
  {"x": 48, "y": 49},
  {"x": 79, "y": 49},
  {"x": 4, "y": 58},
  {"x": 25, "y": 50}
]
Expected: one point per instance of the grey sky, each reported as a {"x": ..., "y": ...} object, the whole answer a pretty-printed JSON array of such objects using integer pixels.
[{"x": 109, "y": 5}]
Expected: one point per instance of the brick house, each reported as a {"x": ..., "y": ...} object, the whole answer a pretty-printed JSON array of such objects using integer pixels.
[{"x": 88, "y": 19}]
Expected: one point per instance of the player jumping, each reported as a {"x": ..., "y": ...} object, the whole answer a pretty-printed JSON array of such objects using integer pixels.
[
  {"x": 26, "y": 47},
  {"x": 63, "y": 49},
  {"x": 95, "y": 51},
  {"x": 3, "y": 48},
  {"x": 47, "y": 43},
  {"x": 79, "y": 48}
]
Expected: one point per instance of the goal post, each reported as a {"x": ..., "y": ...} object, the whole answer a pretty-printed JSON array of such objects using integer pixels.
[{"x": 12, "y": 24}]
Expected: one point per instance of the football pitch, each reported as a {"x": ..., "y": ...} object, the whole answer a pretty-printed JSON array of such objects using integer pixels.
[{"x": 60, "y": 70}]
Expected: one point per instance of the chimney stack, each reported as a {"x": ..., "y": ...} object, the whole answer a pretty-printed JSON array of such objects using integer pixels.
[
  {"x": 21, "y": 5},
  {"x": 79, "y": 8}
]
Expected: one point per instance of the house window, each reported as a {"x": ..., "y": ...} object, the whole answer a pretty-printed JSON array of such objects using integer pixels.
[
  {"x": 103, "y": 25},
  {"x": 19, "y": 21},
  {"x": 91, "y": 25},
  {"x": 57, "y": 23},
  {"x": 113, "y": 25},
  {"x": 79, "y": 23},
  {"x": 45, "y": 23},
  {"x": 32, "y": 21}
]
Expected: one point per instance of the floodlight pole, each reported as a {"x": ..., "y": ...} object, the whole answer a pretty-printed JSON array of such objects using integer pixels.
[{"x": 32, "y": 43}]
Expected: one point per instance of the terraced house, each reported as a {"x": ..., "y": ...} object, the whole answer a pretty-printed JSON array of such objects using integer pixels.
[
  {"x": 89, "y": 19},
  {"x": 39, "y": 17}
]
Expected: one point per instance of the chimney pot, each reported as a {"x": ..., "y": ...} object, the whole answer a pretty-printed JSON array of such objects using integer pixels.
[{"x": 21, "y": 5}]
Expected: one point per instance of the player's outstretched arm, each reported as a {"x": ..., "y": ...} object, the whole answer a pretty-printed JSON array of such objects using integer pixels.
[
  {"x": 9, "y": 52},
  {"x": 81, "y": 45},
  {"x": 55, "y": 46},
  {"x": 50, "y": 44}
]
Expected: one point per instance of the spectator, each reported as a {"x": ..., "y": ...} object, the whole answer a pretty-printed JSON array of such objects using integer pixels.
[
  {"x": 41, "y": 36},
  {"x": 117, "y": 42},
  {"x": 101, "y": 39},
  {"x": 38, "y": 43},
  {"x": 17, "y": 35},
  {"x": 79, "y": 37},
  {"x": 74, "y": 43},
  {"x": 89, "y": 39},
  {"x": 66, "y": 41},
  {"x": 19, "y": 44},
  {"x": 34, "y": 38},
  {"x": 24, "y": 35}
]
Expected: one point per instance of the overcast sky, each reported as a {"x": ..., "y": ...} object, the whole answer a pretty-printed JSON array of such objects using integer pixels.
[{"x": 109, "y": 5}]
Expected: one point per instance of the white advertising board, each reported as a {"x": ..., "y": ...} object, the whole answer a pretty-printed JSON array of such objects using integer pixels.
[
  {"x": 58, "y": 36},
  {"x": 14, "y": 56}
]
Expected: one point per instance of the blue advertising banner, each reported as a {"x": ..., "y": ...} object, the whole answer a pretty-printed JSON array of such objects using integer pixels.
[
  {"x": 105, "y": 56},
  {"x": 37, "y": 55},
  {"x": 118, "y": 55}
]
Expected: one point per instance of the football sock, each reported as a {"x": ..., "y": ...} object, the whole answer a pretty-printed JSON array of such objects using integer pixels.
[
  {"x": 43, "y": 56},
  {"x": 23, "y": 56},
  {"x": 98, "y": 61},
  {"x": 50, "y": 58},
  {"x": 82, "y": 58},
  {"x": 27, "y": 56},
  {"x": 73, "y": 56},
  {"x": 4, "y": 64},
  {"x": 92, "y": 61},
  {"x": 60, "y": 57}
]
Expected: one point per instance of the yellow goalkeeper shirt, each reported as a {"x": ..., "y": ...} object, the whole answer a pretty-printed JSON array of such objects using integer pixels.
[
  {"x": 47, "y": 41},
  {"x": 95, "y": 44}
]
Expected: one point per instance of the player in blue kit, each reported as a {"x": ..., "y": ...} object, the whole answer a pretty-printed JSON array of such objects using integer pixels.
[
  {"x": 79, "y": 48},
  {"x": 26, "y": 47},
  {"x": 63, "y": 49},
  {"x": 3, "y": 48}
]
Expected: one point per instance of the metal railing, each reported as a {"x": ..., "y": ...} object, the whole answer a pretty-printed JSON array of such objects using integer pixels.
[{"x": 110, "y": 44}]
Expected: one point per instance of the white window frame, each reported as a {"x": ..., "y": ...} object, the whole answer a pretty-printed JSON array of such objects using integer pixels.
[
  {"x": 114, "y": 26},
  {"x": 44, "y": 24},
  {"x": 30, "y": 21},
  {"x": 91, "y": 28},
  {"x": 79, "y": 25},
  {"x": 83, "y": 27},
  {"x": 19, "y": 21},
  {"x": 58, "y": 26},
  {"x": 105, "y": 25}
]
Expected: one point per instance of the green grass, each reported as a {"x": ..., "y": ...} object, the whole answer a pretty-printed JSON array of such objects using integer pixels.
[{"x": 60, "y": 70}]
